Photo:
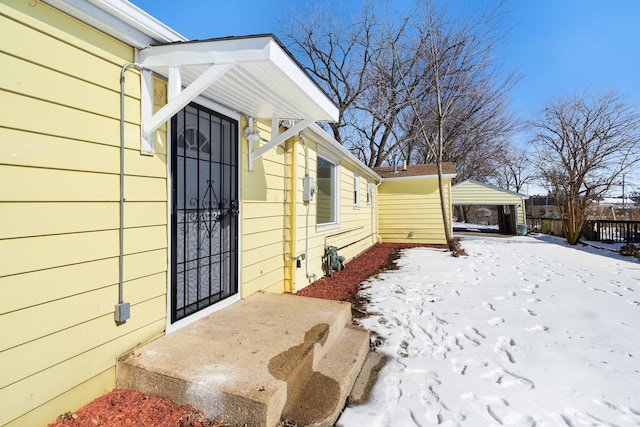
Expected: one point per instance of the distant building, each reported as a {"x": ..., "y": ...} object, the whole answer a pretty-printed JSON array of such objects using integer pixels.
[{"x": 617, "y": 202}]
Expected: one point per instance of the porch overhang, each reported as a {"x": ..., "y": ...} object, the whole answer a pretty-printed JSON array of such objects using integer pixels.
[{"x": 254, "y": 76}]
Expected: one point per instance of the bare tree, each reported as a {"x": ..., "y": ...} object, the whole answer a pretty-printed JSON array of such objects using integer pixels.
[
  {"x": 337, "y": 54},
  {"x": 583, "y": 146},
  {"x": 515, "y": 170},
  {"x": 384, "y": 99},
  {"x": 462, "y": 95},
  {"x": 415, "y": 87}
]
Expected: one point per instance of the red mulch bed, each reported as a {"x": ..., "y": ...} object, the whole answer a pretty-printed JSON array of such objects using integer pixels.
[
  {"x": 345, "y": 284},
  {"x": 129, "y": 408},
  {"x": 124, "y": 408}
]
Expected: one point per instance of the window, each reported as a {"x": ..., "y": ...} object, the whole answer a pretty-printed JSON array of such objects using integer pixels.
[
  {"x": 327, "y": 195},
  {"x": 369, "y": 193},
  {"x": 356, "y": 190}
]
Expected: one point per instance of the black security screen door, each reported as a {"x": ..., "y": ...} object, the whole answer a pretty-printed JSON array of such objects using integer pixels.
[{"x": 204, "y": 219}]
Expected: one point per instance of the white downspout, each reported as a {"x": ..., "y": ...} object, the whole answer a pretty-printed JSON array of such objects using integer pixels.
[
  {"x": 122, "y": 309},
  {"x": 378, "y": 236},
  {"x": 310, "y": 277}
]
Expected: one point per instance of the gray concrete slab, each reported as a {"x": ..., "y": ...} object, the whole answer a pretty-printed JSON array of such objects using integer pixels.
[{"x": 242, "y": 363}]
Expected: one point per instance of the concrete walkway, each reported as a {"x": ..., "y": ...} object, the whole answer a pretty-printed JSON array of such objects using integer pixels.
[{"x": 263, "y": 359}]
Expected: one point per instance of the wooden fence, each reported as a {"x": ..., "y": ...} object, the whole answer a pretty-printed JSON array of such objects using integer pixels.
[{"x": 613, "y": 231}]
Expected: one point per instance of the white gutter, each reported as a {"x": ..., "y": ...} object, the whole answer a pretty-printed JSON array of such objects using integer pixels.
[{"x": 120, "y": 19}]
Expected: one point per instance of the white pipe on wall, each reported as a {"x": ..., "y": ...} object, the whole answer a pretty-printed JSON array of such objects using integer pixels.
[{"x": 122, "y": 309}]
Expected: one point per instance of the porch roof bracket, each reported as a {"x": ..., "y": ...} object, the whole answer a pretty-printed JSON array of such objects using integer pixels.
[
  {"x": 181, "y": 99},
  {"x": 276, "y": 138}
]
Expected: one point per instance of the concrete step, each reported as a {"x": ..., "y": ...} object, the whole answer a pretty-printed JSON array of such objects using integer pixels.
[
  {"x": 321, "y": 400},
  {"x": 249, "y": 361}
]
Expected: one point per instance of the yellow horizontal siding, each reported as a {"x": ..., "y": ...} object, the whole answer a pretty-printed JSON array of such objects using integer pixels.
[
  {"x": 59, "y": 124},
  {"x": 43, "y": 353},
  {"x": 262, "y": 211},
  {"x": 260, "y": 239},
  {"x": 86, "y": 125},
  {"x": 355, "y": 231},
  {"x": 36, "y": 219},
  {"x": 75, "y": 398},
  {"x": 411, "y": 206},
  {"x": 44, "y": 151},
  {"x": 39, "y": 287},
  {"x": 266, "y": 251},
  {"x": 258, "y": 225},
  {"x": 270, "y": 278},
  {"x": 38, "y": 389},
  {"x": 61, "y": 44},
  {"x": 36, "y": 184},
  {"x": 76, "y": 309},
  {"x": 37, "y": 253},
  {"x": 258, "y": 210},
  {"x": 37, "y": 81}
]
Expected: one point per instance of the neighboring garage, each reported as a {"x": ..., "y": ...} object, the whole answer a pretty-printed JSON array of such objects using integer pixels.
[{"x": 510, "y": 205}]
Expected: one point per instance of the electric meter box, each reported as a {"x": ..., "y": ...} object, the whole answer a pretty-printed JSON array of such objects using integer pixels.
[{"x": 308, "y": 189}]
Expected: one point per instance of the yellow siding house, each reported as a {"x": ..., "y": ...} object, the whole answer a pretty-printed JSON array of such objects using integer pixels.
[
  {"x": 147, "y": 181},
  {"x": 409, "y": 209}
]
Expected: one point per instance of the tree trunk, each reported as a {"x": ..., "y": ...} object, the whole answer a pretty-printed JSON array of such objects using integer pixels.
[{"x": 452, "y": 244}]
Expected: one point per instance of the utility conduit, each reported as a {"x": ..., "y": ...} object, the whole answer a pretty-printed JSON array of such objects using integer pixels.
[{"x": 122, "y": 309}]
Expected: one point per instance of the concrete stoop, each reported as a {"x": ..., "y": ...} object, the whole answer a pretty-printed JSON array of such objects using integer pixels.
[{"x": 263, "y": 359}]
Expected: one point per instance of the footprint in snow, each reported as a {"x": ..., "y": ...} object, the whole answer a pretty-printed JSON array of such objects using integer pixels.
[
  {"x": 630, "y": 415},
  {"x": 579, "y": 418},
  {"x": 537, "y": 328},
  {"x": 504, "y": 347},
  {"x": 468, "y": 338},
  {"x": 440, "y": 353},
  {"x": 504, "y": 378},
  {"x": 529, "y": 312},
  {"x": 489, "y": 405},
  {"x": 636, "y": 303},
  {"x": 488, "y": 306},
  {"x": 454, "y": 342},
  {"x": 495, "y": 321},
  {"x": 475, "y": 331}
]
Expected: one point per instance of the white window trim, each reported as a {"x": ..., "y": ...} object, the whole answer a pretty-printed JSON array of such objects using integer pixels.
[
  {"x": 369, "y": 192},
  {"x": 336, "y": 188},
  {"x": 356, "y": 190}
]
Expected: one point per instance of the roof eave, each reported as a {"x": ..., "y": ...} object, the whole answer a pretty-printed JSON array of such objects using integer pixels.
[
  {"x": 418, "y": 177},
  {"x": 250, "y": 52},
  {"x": 121, "y": 20},
  {"x": 493, "y": 187}
]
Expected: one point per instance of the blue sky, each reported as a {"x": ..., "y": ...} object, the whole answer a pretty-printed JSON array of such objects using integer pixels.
[{"x": 559, "y": 47}]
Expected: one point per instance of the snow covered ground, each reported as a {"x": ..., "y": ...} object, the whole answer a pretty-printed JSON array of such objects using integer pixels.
[{"x": 524, "y": 331}]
